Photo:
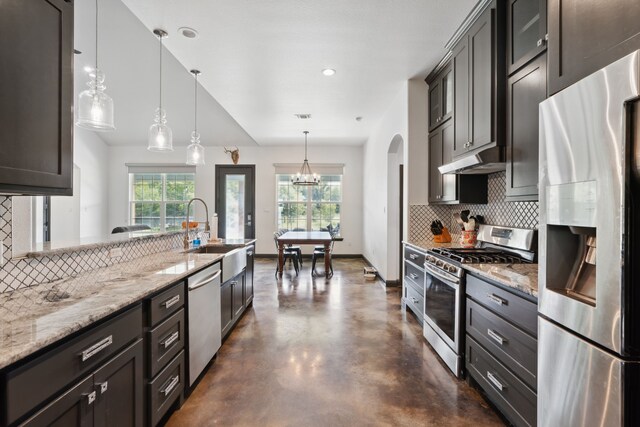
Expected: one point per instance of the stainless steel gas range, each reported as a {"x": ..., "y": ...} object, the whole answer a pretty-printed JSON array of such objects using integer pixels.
[{"x": 444, "y": 287}]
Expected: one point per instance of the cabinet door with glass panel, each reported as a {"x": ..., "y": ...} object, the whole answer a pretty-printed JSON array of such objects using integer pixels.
[
  {"x": 309, "y": 208},
  {"x": 526, "y": 32},
  {"x": 440, "y": 97}
]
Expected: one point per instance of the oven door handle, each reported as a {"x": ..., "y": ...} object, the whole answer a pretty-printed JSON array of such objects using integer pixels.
[{"x": 450, "y": 279}]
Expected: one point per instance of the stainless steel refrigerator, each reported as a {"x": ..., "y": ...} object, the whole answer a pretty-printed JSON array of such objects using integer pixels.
[{"x": 589, "y": 257}]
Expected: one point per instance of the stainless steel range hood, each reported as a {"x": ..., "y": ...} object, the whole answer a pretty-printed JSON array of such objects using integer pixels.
[{"x": 483, "y": 162}]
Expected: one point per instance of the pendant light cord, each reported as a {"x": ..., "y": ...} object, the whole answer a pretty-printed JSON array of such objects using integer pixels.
[
  {"x": 96, "y": 36},
  {"x": 160, "y": 106},
  {"x": 195, "y": 115},
  {"x": 305, "y": 145}
]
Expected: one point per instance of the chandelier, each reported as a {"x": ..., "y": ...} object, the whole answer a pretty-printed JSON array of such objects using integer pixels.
[{"x": 305, "y": 176}]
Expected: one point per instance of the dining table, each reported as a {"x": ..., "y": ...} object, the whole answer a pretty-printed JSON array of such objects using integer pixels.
[{"x": 306, "y": 238}]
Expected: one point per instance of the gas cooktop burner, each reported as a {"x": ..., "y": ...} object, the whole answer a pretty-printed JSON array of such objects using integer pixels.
[{"x": 479, "y": 255}]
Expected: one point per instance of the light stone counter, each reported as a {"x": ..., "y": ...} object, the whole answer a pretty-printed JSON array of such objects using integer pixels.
[
  {"x": 522, "y": 277},
  {"x": 34, "y": 317}
]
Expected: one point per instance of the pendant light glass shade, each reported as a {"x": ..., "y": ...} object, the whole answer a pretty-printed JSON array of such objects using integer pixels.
[
  {"x": 160, "y": 135},
  {"x": 305, "y": 176},
  {"x": 95, "y": 107},
  {"x": 195, "y": 150}
]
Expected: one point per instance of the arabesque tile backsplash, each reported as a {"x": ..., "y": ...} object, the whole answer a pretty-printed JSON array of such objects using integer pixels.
[
  {"x": 497, "y": 211},
  {"x": 23, "y": 272}
]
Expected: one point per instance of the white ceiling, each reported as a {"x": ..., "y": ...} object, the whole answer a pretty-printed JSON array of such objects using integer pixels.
[
  {"x": 129, "y": 56},
  {"x": 262, "y": 59}
]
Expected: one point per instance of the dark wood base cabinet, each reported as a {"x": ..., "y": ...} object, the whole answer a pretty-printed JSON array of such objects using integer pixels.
[
  {"x": 502, "y": 347},
  {"x": 232, "y": 301},
  {"x": 104, "y": 366}
]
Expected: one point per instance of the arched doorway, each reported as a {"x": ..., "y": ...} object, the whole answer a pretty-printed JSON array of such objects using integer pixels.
[{"x": 395, "y": 185}]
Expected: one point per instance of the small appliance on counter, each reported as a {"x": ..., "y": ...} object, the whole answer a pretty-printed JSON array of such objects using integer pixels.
[{"x": 444, "y": 287}]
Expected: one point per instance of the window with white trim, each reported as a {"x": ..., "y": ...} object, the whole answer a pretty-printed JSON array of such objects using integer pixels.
[
  {"x": 314, "y": 208},
  {"x": 159, "y": 199}
]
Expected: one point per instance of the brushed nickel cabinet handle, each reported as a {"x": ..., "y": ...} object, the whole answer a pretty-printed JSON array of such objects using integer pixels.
[
  {"x": 170, "y": 340},
  {"x": 171, "y": 301},
  {"x": 91, "y": 397},
  {"x": 497, "y": 300},
  {"x": 496, "y": 383},
  {"x": 103, "y": 387},
  {"x": 496, "y": 337},
  {"x": 413, "y": 275},
  {"x": 171, "y": 386},
  {"x": 96, "y": 348}
]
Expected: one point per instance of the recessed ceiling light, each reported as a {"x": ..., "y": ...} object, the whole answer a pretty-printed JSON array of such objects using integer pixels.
[
  {"x": 359, "y": 119},
  {"x": 304, "y": 116},
  {"x": 189, "y": 33},
  {"x": 328, "y": 71}
]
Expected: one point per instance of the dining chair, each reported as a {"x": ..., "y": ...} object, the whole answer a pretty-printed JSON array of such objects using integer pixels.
[
  {"x": 319, "y": 252},
  {"x": 294, "y": 248},
  {"x": 290, "y": 255}
]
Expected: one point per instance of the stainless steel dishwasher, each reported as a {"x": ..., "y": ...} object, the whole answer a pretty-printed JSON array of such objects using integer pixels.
[{"x": 204, "y": 319}]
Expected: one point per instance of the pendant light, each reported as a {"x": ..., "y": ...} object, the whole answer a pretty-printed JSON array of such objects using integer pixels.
[
  {"x": 160, "y": 135},
  {"x": 195, "y": 151},
  {"x": 95, "y": 108},
  {"x": 305, "y": 176}
]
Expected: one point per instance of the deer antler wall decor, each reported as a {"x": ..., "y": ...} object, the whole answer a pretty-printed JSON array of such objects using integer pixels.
[{"x": 235, "y": 154}]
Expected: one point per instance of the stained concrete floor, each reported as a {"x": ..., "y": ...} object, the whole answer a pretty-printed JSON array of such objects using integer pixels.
[{"x": 336, "y": 352}]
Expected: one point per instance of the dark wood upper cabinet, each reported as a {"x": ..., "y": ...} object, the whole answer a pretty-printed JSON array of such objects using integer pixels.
[
  {"x": 451, "y": 189},
  {"x": 479, "y": 109},
  {"x": 440, "y": 97},
  {"x": 585, "y": 36},
  {"x": 526, "y": 90},
  {"x": 526, "y": 31},
  {"x": 36, "y": 97}
]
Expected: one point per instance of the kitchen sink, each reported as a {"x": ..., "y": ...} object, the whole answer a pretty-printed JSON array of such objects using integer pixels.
[{"x": 234, "y": 261}]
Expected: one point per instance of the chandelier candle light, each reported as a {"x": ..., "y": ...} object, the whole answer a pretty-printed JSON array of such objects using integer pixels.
[
  {"x": 160, "y": 135},
  {"x": 195, "y": 150},
  {"x": 305, "y": 176},
  {"x": 95, "y": 108}
]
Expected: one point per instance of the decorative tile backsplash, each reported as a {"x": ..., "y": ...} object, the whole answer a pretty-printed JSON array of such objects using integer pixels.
[
  {"x": 23, "y": 272},
  {"x": 496, "y": 211}
]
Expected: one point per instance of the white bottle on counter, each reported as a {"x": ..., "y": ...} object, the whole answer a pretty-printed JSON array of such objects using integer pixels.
[{"x": 214, "y": 227}]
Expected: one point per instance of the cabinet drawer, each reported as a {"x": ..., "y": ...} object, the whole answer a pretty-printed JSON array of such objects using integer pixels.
[
  {"x": 414, "y": 301},
  {"x": 31, "y": 384},
  {"x": 513, "y": 347},
  {"x": 165, "y": 341},
  {"x": 166, "y": 388},
  {"x": 414, "y": 276},
  {"x": 414, "y": 256},
  {"x": 514, "y": 399},
  {"x": 516, "y": 309},
  {"x": 166, "y": 303}
]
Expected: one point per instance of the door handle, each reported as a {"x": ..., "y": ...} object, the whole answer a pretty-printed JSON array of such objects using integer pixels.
[
  {"x": 201, "y": 284},
  {"x": 91, "y": 397},
  {"x": 249, "y": 217},
  {"x": 103, "y": 387}
]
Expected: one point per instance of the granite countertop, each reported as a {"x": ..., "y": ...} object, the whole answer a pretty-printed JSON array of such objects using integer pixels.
[
  {"x": 35, "y": 317},
  {"x": 522, "y": 277}
]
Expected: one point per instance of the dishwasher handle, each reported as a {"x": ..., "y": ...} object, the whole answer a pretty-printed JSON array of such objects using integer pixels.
[{"x": 195, "y": 286}]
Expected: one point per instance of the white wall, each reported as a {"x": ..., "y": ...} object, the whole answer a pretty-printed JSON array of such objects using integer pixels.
[
  {"x": 375, "y": 181},
  {"x": 91, "y": 155},
  {"x": 264, "y": 159},
  {"x": 85, "y": 214}
]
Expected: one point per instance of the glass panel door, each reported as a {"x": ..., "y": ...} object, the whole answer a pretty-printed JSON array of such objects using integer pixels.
[
  {"x": 235, "y": 201},
  {"x": 235, "y": 209}
]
